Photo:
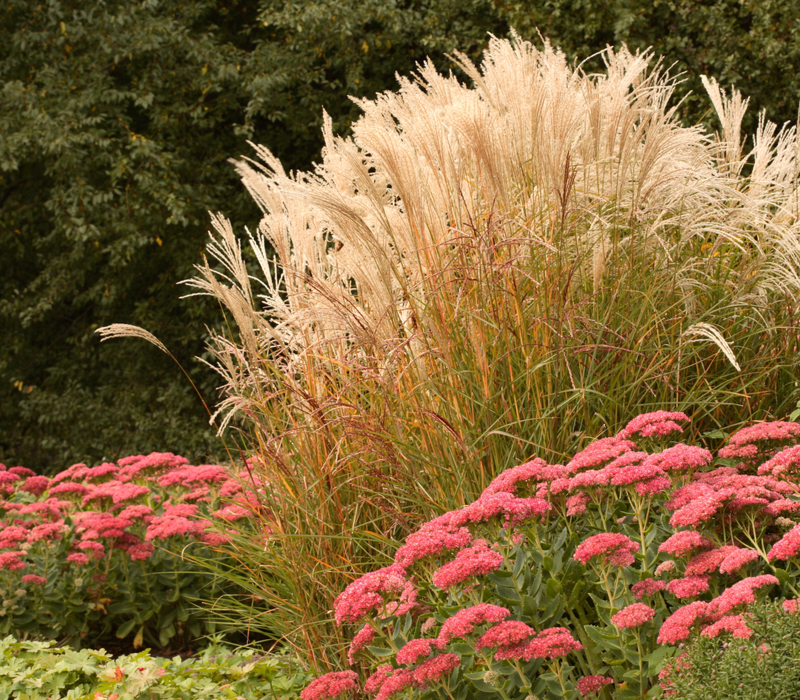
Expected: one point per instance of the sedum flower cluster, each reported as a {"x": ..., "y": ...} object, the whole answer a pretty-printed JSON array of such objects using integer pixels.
[
  {"x": 96, "y": 550},
  {"x": 582, "y": 579}
]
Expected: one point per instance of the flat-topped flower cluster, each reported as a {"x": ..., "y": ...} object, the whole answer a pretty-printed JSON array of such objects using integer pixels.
[
  {"x": 585, "y": 578},
  {"x": 98, "y": 548}
]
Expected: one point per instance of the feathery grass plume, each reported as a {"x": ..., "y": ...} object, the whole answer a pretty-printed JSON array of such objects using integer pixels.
[{"x": 481, "y": 272}]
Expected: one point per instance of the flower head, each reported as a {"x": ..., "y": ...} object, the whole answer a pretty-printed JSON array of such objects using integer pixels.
[
  {"x": 12, "y": 561},
  {"x": 433, "y": 669},
  {"x": 505, "y": 634},
  {"x": 634, "y": 615},
  {"x": 788, "y": 546},
  {"x": 678, "y": 626},
  {"x": 592, "y": 684},
  {"x": 647, "y": 587},
  {"x": 373, "y": 684},
  {"x": 36, "y": 485},
  {"x": 657, "y": 424},
  {"x": 734, "y": 624},
  {"x": 680, "y": 457},
  {"x": 466, "y": 620},
  {"x": 34, "y": 579},
  {"x": 363, "y": 637},
  {"x": 737, "y": 559},
  {"x": 611, "y": 547},
  {"x": 415, "y": 649},
  {"x": 473, "y": 561},
  {"x": 683, "y": 543},
  {"x": 599, "y": 453},
  {"x": 398, "y": 681},
  {"x": 688, "y": 587},
  {"x": 367, "y": 593},
  {"x": 740, "y": 593},
  {"x": 331, "y": 685},
  {"x": 426, "y": 543},
  {"x": 550, "y": 643},
  {"x": 748, "y": 444}
]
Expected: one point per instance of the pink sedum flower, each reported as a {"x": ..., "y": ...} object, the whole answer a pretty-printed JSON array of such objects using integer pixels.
[
  {"x": 737, "y": 560},
  {"x": 678, "y": 626},
  {"x": 657, "y": 424},
  {"x": 576, "y": 505},
  {"x": 363, "y": 637},
  {"x": 688, "y": 587},
  {"x": 473, "y": 561},
  {"x": 505, "y": 634},
  {"x": 433, "y": 670},
  {"x": 373, "y": 684},
  {"x": 592, "y": 684},
  {"x": 12, "y": 561},
  {"x": 599, "y": 453},
  {"x": 698, "y": 511},
  {"x": 550, "y": 643},
  {"x": 427, "y": 543},
  {"x": 415, "y": 649},
  {"x": 553, "y": 643},
  {"x": 708, "y": 562},
  {"x": 367, "y": 593},
  {"x": 787, "y": 460},
  {"x": 536, "y": 470},
  {"x": 610, "y": 547},
  {"x": 740, "y": 593},
  {"x": 680, "y": 457},
  {"x": 398, "y": 681},
  {"x": 34, "y": 579},
  {"x": 141, "y": 551},
  {"x": 734, "y": 624},
  {"x": 788, "y": 546},
  {"x": 684, "y": 542},
  {"x": 634, "y": 615},
  {"x": 331, "y": 685},
  {"x": 648, "y": 587},
  {"x": 78, "y": 558},
  {"x": 748, "y": 442},
  {"x": 36, "y": 485},
  {"x": 466, "y": 620},
  {"x": 791, "y": 606}
]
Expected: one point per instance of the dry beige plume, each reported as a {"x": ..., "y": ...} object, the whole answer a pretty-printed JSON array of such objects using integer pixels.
[{"x": 570, "y": 168}]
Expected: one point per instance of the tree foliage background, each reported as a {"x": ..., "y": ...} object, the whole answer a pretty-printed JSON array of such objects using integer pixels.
[{"x": 116, "y": 123}]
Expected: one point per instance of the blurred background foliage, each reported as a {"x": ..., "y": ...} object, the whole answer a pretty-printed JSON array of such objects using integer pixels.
[{"x": 116, "y": 123}]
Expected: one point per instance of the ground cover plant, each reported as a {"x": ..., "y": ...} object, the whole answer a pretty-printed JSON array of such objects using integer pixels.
[
  {"x": 758, "y": 666},
  {"x": 41, "y": 671},
  {"x": 487, "y": 271},
  {"x": 112, "y": 551},
  {"x": 562, "y": 581}
]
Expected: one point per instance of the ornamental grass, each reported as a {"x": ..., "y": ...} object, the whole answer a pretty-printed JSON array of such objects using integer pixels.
[{"x": 484, "y": 270}]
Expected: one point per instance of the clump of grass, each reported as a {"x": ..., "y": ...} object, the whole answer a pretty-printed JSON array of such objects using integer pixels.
[{"x": 481, "y": 273}]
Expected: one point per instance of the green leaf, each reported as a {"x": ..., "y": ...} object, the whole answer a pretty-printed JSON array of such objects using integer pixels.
[
  {"x": 380, "y": 652},
  {"x": 553, "y": 588},
  {"x": 126, "y": 628}
]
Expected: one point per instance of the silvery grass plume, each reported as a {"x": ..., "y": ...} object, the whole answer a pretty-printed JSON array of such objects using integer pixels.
[{"x": 577, "y": 170}]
